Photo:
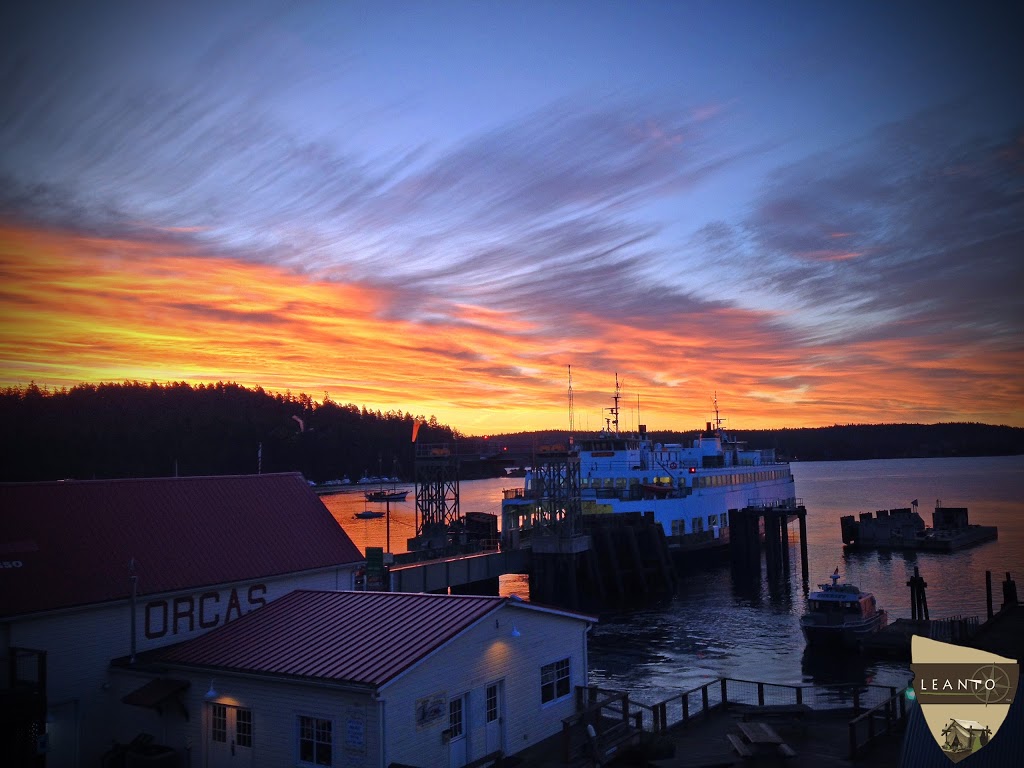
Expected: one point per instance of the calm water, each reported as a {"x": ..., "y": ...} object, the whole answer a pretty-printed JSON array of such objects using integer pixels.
[{"x": 715, "y": 628}]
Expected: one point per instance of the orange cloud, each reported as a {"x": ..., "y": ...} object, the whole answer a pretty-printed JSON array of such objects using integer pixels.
[{"x": 85, "y": 309}]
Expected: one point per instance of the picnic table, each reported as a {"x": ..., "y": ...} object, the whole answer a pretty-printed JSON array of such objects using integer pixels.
[
  {"x": 777, "y": 711},
  {"x": 758, "y": 739}
]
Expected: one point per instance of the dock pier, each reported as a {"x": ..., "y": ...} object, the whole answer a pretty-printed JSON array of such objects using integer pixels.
[{"x": 768, "y": 522}]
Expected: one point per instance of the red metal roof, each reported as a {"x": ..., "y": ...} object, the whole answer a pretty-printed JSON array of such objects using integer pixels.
[
  {"x": 69, "y": 543},
  {"x": 365, "y": 638}
]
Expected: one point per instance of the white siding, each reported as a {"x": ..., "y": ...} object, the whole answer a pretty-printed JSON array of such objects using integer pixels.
[
  {"x": 276, "y": 707},
  {"x": 483, "y": 655},
  {"x": 80, "y": 644}
]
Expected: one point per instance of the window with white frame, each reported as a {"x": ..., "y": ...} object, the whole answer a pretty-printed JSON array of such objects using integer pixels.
[
  {"x": 455, "y": 718},
  {"x": 219, "y": 723},
  {"x": 554, "y": 681},
  {"x": 243, "y": 727},
  {"x": 316, "y": 740}
]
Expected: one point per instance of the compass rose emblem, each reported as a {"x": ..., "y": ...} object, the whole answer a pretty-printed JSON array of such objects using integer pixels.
[{"x": 964, "y": 693}]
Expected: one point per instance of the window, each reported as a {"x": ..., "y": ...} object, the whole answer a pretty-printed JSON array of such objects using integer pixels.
[
  {"x": 491, "y": 704},
  {"x": 243, "y": 727},
  {"x": 455, "y": 717},
  {"x": 554, "y": 681},
  {"x": 315, "y": 740},
  {"x": 219, "y": 724}
]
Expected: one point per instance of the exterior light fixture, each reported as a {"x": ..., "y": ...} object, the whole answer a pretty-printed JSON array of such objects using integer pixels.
[
  {"x": 211, "y": 694},
  {"x": 515, "y": 632}
]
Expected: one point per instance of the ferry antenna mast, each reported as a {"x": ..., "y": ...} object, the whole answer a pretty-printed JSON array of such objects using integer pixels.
[
  {"x": 614, "y": 410},
  {"x": 572, "y": 426}
]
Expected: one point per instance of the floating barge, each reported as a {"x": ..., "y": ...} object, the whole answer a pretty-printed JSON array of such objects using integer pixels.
[{"x": 904, "y": 529}]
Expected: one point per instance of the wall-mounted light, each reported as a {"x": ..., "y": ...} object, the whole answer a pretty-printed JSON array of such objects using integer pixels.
[
  {"x": 515, "y": 632},
  {"x": 211, "y": 694}
]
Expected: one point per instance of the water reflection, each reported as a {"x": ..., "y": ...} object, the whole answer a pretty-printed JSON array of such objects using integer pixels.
[{"x": 723, "y": 625}]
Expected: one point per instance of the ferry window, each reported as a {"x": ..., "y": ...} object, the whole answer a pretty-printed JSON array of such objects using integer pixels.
[
  {"x": 725, "y": 518},
  {"x": 316, "y": 742},
  {"x": 698, "y": 524},
  {"x": 712, "y": 521},
  {"x": 219, "y": 724},
  {"x": 620, "y": 482},
  {"x": 554, "y": 681}
]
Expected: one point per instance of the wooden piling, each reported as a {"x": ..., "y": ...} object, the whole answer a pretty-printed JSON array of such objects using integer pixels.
[
  {"x": 988, "y": 593},
  {"x": 801, "y": 515}
]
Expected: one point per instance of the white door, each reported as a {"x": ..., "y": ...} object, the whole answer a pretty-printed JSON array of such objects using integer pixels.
[
  {"x": 494, "y": 716},
  {"x": 458, "y": 727},
  {"x": 229, "y": 737}
]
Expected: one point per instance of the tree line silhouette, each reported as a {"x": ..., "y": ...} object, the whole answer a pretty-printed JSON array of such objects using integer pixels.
[{"x": 132, "y": 429}]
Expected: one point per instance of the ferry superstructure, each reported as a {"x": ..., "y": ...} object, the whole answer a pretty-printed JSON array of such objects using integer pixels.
[{"x": 689, "y": 490}]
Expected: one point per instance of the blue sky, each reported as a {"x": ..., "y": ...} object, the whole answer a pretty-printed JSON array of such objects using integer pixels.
[{"x": 793, "y": 181}]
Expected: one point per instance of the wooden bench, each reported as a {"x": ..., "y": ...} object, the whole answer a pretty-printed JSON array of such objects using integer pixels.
[
  {"x": 742, "y": 748},
  {"x": 602, "y": 749},
  {"x": 786, "y": 751}
]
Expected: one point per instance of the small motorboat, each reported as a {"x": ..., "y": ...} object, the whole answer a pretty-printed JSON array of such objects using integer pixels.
[
  {"x": 368, "y": 514},
  {"x": 840, "y": 614},
  {"x": 385, "y": 495}
]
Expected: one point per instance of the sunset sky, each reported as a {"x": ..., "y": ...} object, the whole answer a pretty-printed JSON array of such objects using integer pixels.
[{"x": 815, "y": 210}]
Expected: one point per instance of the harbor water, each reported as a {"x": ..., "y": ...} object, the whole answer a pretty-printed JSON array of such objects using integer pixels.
[{"x": 715, "y": 627}]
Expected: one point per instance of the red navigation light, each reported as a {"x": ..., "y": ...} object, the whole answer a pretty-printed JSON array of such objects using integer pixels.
[{"x": 693, "y": 470}]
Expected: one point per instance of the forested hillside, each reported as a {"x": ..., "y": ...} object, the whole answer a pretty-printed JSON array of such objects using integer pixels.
[
  {"x": 151, "y": 430},
  {"x": 148, "y": 430},
  {"x": 850, "y": 442}
]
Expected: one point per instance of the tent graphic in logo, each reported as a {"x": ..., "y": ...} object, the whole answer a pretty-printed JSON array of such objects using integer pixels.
[{"x": 964, "y": 693}]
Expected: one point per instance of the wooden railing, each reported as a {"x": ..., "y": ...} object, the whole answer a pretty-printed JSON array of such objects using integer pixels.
[
  {"x": 607, "y": 712},
  {"x": 885, "y": 718},
  {"x": 887, "y": 707}
]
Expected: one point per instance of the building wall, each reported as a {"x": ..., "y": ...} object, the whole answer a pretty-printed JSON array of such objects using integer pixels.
[
  {"x": 276, "y": 707},
  {"x": 80, "y": 644},
  {"x": 483, "y": 655}
]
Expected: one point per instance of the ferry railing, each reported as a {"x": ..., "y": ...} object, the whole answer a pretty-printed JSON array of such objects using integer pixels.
[{"x": 791, "y": 503}]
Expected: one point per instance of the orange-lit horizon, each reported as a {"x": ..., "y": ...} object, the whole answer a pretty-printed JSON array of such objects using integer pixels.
[{"x": 85, "y": 309}]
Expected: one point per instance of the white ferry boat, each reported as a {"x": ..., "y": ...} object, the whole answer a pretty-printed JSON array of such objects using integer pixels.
[
  {"x": 840, "y": 614},
  {"x": 689, "y": 490}
]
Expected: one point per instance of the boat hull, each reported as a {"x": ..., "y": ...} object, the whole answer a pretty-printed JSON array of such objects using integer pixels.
[
  {"x": 846, "y": 634},
  {"x": 387, "y": 495}
]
